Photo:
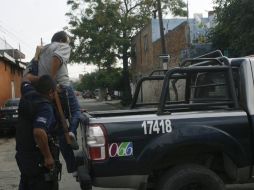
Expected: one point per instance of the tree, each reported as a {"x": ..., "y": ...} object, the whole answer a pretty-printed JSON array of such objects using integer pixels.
[
  {"x": 102, "y": 31},
  {"x": 105, "y": 79},
  {"x": 235, "y": 27},
  {"x": 88, "y": 82}
]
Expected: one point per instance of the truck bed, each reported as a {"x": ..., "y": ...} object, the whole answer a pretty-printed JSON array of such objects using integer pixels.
[{"x": 123, "y": 112}]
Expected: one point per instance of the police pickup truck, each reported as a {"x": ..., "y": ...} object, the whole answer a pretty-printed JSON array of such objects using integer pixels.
[{"x": 198, "y": 135}]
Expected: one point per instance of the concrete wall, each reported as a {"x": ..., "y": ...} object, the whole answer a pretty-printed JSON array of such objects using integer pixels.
[
  {"x": 150, "y": 92},
  {"x": 142, "y": 48},
  {"x": 9, "y": 72}
]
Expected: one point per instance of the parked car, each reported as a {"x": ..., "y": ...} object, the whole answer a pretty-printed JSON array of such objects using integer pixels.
[
  {"x": 88, "y": 94},
  {"x": 9, "y": 115}
]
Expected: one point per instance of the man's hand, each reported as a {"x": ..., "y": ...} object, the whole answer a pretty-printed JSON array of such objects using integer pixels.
[
  {"x": 58, "y": 88},
  {"x": 49, "y": 162},
  {"x": 41, "y": 140},
  {"x": 30, "y": 77},
  {"x": 37, "y": 53}
]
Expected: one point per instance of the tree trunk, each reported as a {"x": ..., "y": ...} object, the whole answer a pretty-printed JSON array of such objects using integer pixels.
[{"x": 126, "y": 96}]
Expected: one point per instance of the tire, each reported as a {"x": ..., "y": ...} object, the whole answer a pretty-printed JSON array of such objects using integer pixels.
[{"x": 190, "y": 177}]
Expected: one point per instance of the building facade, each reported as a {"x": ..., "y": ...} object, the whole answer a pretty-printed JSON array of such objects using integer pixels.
[
  {"x": 184, "y": 38},
  {"x": 146, "y": 47},
  {"x": 11, "y": 72}
]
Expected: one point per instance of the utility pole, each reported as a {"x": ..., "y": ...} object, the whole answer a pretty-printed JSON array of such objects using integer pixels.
[
  {"x": 164, "y": 57},
  {"x": 163, "y": 45}
]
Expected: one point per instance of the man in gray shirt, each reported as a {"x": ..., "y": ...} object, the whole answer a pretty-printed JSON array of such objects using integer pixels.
[{"x": 53, "y": 60}]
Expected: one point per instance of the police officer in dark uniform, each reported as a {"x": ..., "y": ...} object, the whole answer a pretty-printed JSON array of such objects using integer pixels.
[{"x": 36, "y": 124}]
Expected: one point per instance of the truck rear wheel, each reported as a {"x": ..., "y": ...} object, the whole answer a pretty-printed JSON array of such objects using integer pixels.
[{"x": 190, "y": 177}]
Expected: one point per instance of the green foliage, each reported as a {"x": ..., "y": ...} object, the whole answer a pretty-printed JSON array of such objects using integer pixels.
[
  {"x": 102, "y": 30},
  {"x": 175, "y": 7},
  {"x": 235, "y": 28},
  {"x": 88, "y": 81},
  {"x": 111, "y": 79}
]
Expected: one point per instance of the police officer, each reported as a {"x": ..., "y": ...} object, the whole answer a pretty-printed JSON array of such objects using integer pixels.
[{"x": 36, "y": 123}]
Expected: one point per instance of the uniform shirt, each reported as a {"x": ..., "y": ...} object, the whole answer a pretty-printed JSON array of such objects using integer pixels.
[
  {"x": 60, "y": 50},
  {"x": 37, "y": 113},
  {"x": 45, "y": 115}
]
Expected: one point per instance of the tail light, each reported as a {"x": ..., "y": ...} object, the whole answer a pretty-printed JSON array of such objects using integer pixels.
[{"x": 96, "y": 141}]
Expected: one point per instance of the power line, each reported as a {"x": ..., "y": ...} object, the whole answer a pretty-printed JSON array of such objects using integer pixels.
[{"x": 11, "y": 34}]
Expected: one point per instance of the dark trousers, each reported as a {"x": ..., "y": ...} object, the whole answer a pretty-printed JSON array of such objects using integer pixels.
[
  {"x": 71, "y": 107},
  {"x": 36, "y": 183},
  {"x": 32, "y": 174},
  {"x": 67, "y": 154}
]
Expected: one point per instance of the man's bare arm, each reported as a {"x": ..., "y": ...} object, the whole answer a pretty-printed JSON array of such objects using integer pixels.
[
  {"x": 41, "y": 140},
  {"x": 30, "y": 77},
  {"x": 55, "y": 65}
]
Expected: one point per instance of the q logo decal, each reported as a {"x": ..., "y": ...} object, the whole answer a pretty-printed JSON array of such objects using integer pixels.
[{"x": 121, "y": 149}]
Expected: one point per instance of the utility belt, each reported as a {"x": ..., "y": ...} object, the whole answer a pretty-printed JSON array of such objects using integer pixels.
[
  {"x": 31, "y": 164},
  {"x": 56, "y": 172}
]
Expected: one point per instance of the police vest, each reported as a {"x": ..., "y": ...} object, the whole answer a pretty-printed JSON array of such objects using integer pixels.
[{"x": 24, "y": 131}]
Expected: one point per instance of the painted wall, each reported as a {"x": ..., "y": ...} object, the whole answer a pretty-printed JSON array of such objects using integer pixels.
[{"x": 9, "y": 72}]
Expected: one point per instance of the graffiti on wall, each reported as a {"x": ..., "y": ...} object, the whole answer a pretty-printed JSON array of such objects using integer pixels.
[{"x": 199, "y": 28}]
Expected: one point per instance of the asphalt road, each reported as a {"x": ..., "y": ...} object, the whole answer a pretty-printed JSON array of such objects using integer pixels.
[{"x": 9, "y": 173}]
